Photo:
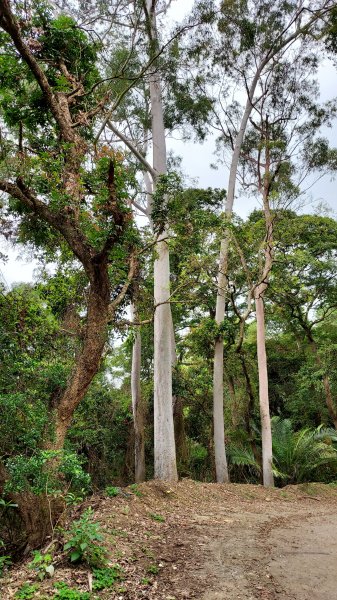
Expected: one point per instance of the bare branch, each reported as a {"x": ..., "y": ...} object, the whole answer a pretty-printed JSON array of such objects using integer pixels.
[
  {"x": 132, "y": 270},
  {"x": 132, "y": 147}
]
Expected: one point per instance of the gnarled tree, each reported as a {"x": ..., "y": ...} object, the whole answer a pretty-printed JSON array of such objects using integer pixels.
[{"x": 65, "y": 192}]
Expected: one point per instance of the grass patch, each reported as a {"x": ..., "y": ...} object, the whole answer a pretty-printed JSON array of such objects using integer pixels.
[{"x": 156, "y": 517}]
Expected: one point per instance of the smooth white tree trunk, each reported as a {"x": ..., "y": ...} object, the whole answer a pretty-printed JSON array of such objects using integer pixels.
[
  {"x": 267, "y": 448},
  {"x": 222, "y": 286},
  {"x": 222, "y": 282},
  {"x": 164, "y": 443},
  {"x": 137, "y": 404},
  {"x": 165, "y": 466}
]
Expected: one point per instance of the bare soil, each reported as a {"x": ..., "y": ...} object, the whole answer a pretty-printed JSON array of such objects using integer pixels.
[{"x": 210, "y": 542}]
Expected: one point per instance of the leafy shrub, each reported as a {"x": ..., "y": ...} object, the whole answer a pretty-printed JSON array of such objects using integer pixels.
[
  {"x": 81, "y": 543},
  {"x": 298, "y": 456},
  {"x": 304, "y": 455},
  {"x": 198, "y": 460},
  {"x": 105, "y": 578},
  {"x": 242, "y": 463},
  {"x": 74, "y": 498},
  {"x": 135, "y": 490},
  {"x": 37, "y": 473},
  {"x": 72, "y": 469},
  {"x": 42, "y": 565},
  {"x": 5, "y": 561},
  {"x": 111, "y": 491},
  {"x": 26, "y": 591},
  {"x": 64, "y": 592},
  {"x": 23, "y": 424}
]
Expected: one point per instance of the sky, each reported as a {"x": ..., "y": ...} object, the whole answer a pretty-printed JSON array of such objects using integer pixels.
[{"x": 196, "y": 160}]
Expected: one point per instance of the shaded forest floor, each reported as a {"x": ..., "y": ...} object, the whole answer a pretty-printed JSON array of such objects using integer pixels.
[{"x": 209, "y": 542}]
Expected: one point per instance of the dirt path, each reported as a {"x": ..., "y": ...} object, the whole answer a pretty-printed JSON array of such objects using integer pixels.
[
  {"x": 208, "y": 542},
  {"x": 274, "y": 552},
  {"x": 305, "y": 558}
]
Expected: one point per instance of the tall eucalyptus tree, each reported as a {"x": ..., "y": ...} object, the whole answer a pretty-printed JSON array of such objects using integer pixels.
[
  {"x": 251, "y": 38},
  {"x": 277, "y": 156}
]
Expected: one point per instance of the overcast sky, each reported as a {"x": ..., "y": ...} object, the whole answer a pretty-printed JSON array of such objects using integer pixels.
[{"x": 196, "y": 164}]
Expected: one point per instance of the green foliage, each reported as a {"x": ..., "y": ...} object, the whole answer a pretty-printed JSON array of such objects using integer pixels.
[
  {"x": 39, "y": 475},
  {"x": 34, "y": 369},
  {"x": 62, "y": 38},
  {"x": 64, "y": 592},
  {"x": 74, "y": 498},
  {"x": 246, "y": 27},
  {"x": 208, "y": 331},
  {"x": 107, "y": 577},
  {"x": 54, "y": 40},
  {"x": 242, "y": 456},
  {"x": 305, "y": 455},
  {"x": 27, "y": 591},
  {"x": 153, "y": 569},
  {"x": 185, "y": 210},
  {"x": 135, "y": 490},
  {"x": 331, "y": 32},
  {"x": 187, "y": 106},
  {"x": 24, "y": 421},
  {"x": 82, "y": 538},
  {"x": 105, "y": 435},
  {"x": 5, "y": 560},
  {"x": 306, "y": 403},
  {"x": 71, "y": 467},
  {"x": 42, "y": 565},
  {"x": 198, "y": 460},
  {"x": 158, "y": 518},
  {"x": 112, "y": 491}
]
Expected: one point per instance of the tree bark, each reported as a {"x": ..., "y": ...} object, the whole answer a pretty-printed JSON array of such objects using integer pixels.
[
  {"x": 164, "y": 444},
  {"x": 38, "y": 513},
  {"x": 222, "y": 285},
  {"x": 221, "y": 468},
  {"x": 89, "y": 359},
  {"x": 249, "y": 411},
  {"x": 232, "y": 395},
  {"x": 137, "y": 404},
  {"x": 267, "y": 447},
  {"x": 264, "y": 186}
]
